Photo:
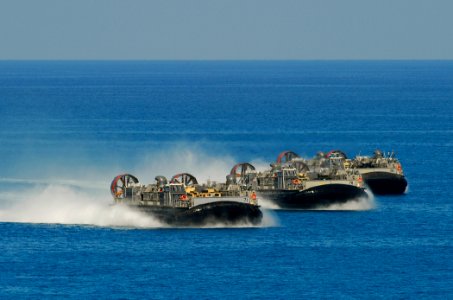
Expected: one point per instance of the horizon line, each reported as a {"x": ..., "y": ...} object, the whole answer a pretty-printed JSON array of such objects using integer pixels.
[{"x": 221, "y": 60}]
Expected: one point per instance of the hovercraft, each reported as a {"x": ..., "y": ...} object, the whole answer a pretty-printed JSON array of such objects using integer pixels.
[
  {"x": 382, "y": 174},
  {"x": 183, "y": 202}
]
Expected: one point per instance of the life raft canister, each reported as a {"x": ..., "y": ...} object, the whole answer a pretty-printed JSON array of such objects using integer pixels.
[
  {"x": 253, "y": 196},
  {"x": 183, "y": 197}
]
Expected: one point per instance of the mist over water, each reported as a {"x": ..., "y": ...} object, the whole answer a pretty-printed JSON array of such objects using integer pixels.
[
  {"x": 267, "y": 203},
  {"x": 359, "y": 204},
  {"x": 84, "y": 200},
  {"x": 58, "y": 204},
  {"x": 183, "y": 158}
]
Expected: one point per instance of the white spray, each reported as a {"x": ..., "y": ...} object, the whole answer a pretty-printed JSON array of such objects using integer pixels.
[
  {"x": 358, "y": 204},
  {"x": 59, "y": 204}
]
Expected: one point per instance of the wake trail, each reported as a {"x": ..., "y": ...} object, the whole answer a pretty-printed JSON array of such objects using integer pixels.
[{"x": 57, "y": 204}]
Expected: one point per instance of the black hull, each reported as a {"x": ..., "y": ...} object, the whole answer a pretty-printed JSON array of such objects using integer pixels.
[
  {"x": 225, "y": 212},
  {"x": 383, "y": 183},
  {"x": 316, "y": 197}
]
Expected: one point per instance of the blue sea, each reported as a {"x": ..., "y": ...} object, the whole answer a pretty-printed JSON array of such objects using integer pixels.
[{"x": 67, "y": 128}]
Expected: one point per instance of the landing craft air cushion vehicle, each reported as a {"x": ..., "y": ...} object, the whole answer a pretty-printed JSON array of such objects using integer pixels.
[
  {"x": 182, "y": 201},
  {"x": 383, "y": 174}
]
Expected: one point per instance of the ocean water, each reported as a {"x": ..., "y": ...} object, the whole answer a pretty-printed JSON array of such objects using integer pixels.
[{"x": 67, "y": 128}]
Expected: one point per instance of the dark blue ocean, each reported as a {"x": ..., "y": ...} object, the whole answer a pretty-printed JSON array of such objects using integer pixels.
[{"x": 67, "y": 128}]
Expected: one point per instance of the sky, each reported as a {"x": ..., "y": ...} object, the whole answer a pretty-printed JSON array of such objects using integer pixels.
[{"x": 226, "y": 29}]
